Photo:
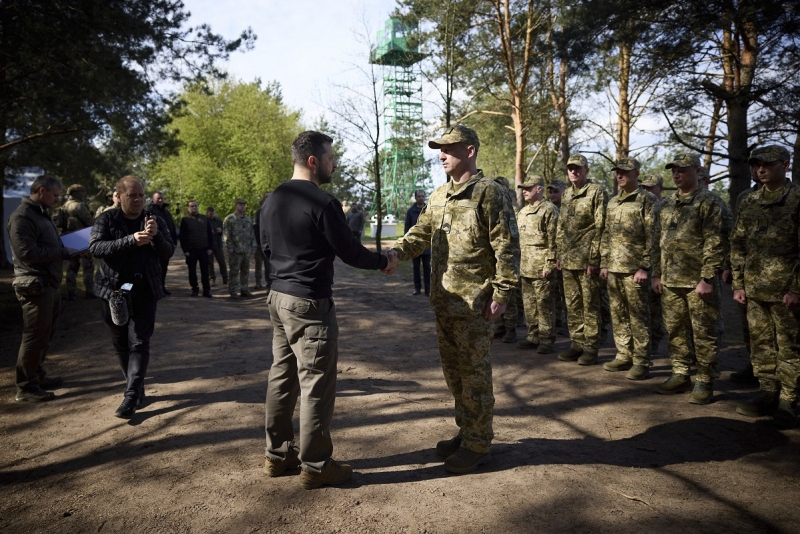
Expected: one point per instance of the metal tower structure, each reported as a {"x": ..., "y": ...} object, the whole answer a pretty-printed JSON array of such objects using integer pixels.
[{"x": 404, "y": 168}]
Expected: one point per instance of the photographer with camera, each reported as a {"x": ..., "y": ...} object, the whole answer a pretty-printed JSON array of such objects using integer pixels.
[{"x": 131, "y": 245}]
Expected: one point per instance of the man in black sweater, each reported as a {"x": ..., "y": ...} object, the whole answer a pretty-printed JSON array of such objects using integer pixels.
[
  {"x": 197, "y": 245},
  {"x": 303, "y": 230},
  {"x": 412, "y": 216}
]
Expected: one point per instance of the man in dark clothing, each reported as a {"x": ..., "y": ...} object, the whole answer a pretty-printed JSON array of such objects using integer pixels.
[
  {"x": 304, "y": 229},
  {"x": 161, "y": 209},
  {"x": 356, "y": 220},
  {"x": 37, "y": 253},
  {"x": 197, "y": 245},
  {"x": 262, "y": 264},
  {"x": 216, "y": 245},
  {"x": 130, "y": 248},
  {"x": 425, "y": 258}
]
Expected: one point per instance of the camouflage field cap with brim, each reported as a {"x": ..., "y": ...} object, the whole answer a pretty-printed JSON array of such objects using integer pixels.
[
  {"x": 652, "y": 180},
  {"x": 577, "y": 159},
  {"x": 457, "y": 134},
  {"x": 241, "y": 201},
  {"x": 531, "y": 181},
  {"x": 683, "y": 159},
  {"x": 75, "y": 187},
  {"x": 627, "y": 164},
  {"x": 769, "y": 154},
  {"x": 557, "y": 184}
]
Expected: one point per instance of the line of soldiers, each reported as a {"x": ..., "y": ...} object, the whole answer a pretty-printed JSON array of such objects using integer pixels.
[{"x": 663, "y": 261}]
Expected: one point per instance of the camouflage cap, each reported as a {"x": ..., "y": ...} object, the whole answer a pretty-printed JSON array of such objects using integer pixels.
[
  {"x": 75, "y": 187},
  {"x": 577, "y": 159},
  {"x": 557, "y": 184},
  {"x": 683, "y": 159},
  {"x": 531, "y": 181},
  {"x": 652, "y": 180},
  {"x": 627, "y": 164},
  {"x": 457, "y": 134},
  {"x": 768, "y": 154},
  {"x": 241, "y": 201}
]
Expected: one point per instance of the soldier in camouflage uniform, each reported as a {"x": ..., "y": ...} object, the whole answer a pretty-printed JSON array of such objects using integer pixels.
[
  {"x": 765, "y": 251},
  {"x": 745, "y": 376},
  {"x": 554, "y": 193},
  {"x": 537, "y": 239},
  {"x": 241, "y": 244},
  {"x": 471, "y": 230},
  {"x": 625, "y": 264},
  {"x": 78, "y": 218},
  {"x": 688, "y": 253},
  {"x": 581, "y": 222},
  {"x": 113, "y": 198},
  {"x": 507, "y": 324},
  {"x": 654, "y": 184}
]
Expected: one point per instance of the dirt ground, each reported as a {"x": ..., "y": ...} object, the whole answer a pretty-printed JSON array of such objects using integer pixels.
[{"x": 576, "y": 449}]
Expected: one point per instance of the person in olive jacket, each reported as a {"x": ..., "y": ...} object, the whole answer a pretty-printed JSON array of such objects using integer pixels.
[{"x": 131, "y": 247}]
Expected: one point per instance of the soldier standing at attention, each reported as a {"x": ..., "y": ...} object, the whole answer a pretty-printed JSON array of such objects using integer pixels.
[
  {"x": 506, "y": 326},
  {"x": 688, "y": 252},
  {"x": 625, "y": 264},
  {"x": 582, "y": 217},
  {"x": 78, "y": 218},
  {"x": 654, "y": 184},
  {"x": 537, "y": 265},
  {"x": 241, "y": 244},
  {"x": 554, "y": 193},
  {"x": 470, "y": 228},
  {"x": 765, "y": 250}
]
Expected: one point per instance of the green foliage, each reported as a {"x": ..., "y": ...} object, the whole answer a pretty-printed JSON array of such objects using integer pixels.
[{"x": 235, "y": 141}]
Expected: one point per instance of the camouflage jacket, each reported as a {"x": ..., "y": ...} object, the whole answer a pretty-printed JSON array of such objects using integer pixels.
[
  {"x": 537, "y": 238},
  {"x": 474, "y": 244},
  {"x": 690, "y": 242},
  {"x": 628, "y": 233},
  {"x": 765, "y": 245},
  {"x": 238, "y": 233},
  {"x": 727, "y": 226},
  {"x": 581, "y": 221},
  {"x": 78, "y": 215}
]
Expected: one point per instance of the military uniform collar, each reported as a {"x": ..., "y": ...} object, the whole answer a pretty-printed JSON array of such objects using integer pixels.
[
  {"x": 624, "y": 196},
  {"x": 582, "y": 191},
  {"x": 465, "y": 186},
  {"x": 783, "y": 192},
  {"x": 686, "y": 199}
]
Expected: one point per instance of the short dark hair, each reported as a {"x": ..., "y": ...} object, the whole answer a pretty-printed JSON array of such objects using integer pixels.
[
  {"x": 419, "y": 191},
  {"x": 193, "y": 200},
  {"x": 48, "y": 181},
  {"x": 210, "y": 208},
  {"x": 307, "y": 144}
]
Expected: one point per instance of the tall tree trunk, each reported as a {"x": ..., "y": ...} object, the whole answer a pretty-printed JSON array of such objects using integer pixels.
[
  {"x": 738, "y": 169},
  {"x": 624, "y": 112},
  {"x": 376, "y": 164},
  {"x": 712, "y": 133},
  {"x": 518, "y": 120},
  {"x": 796, "y": 159}
]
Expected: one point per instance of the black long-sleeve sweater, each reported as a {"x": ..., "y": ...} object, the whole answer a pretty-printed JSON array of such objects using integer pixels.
[{"x": 303, "y": 230}]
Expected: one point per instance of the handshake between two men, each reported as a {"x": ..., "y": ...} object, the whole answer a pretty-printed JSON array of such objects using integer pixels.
[{"x": 391, "y": 255}]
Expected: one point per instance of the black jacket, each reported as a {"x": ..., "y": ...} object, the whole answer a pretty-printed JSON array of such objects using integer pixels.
[
  {"x": 164, "y": 213},
  {"x": 112, "y": 244},
  {"x": 195, "y": 233},
  {"x": 35, "y": 245}
]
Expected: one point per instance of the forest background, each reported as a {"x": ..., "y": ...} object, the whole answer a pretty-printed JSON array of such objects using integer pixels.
[{"x": 93, "y": 90}]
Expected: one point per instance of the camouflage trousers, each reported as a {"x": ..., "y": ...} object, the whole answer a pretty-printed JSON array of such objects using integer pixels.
[
  {"x": 630, "y": 315},
  {"x": 582, "y": 293},
  {"x": 73, "y": 266},
  {"x": 464, "y": 344},
  {"x": 685, "y": 312},
  {"x": 745, "y": 326},
  {"x": 537, "y": 301},
  {"x": 774, "y": 346},
  {"x": 560, "y": 302},
  {"x": 512, "y": 311},
  {"x": 238, "y": 272},
  {"x": 605, "y": 306},
  {"x": 657, "y": 330}
]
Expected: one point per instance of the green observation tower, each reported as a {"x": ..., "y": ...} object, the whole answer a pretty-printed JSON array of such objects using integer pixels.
[{"x": 404, "y": 168}]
